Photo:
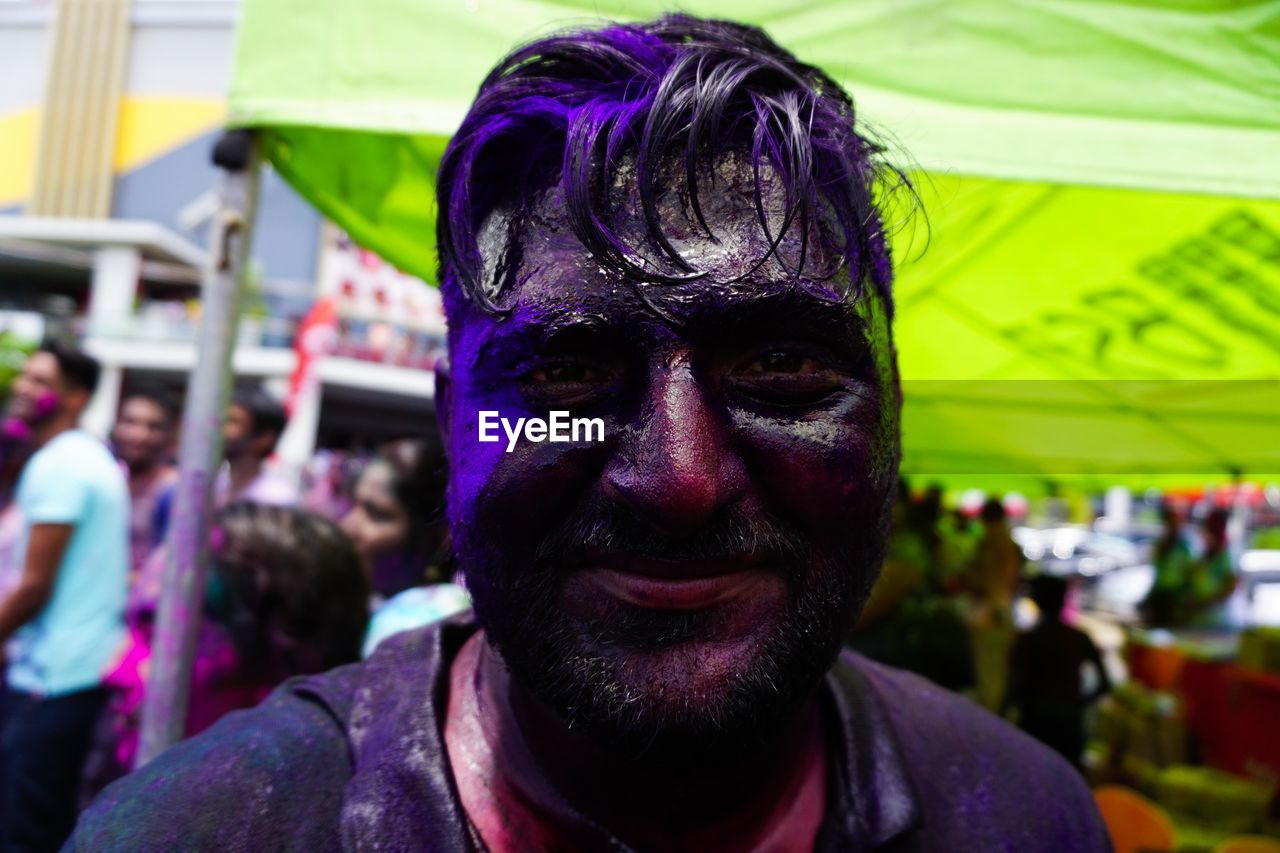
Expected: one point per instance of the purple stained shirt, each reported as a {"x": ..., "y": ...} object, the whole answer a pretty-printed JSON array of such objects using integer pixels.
[
  {"x": 267, "y": 488},
  {"x": 355, "y": 760}
]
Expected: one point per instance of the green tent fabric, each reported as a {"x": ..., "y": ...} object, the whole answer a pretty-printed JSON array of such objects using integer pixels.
[{"x": 1100, "y": 181}]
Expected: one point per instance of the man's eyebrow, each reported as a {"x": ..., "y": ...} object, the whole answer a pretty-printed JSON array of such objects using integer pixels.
[
  {"x": 510, "y": 342},
  {"x": 789, "y": 312}
]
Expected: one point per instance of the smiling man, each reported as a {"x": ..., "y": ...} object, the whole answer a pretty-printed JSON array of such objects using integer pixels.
[{"x": 672, "y": 228}]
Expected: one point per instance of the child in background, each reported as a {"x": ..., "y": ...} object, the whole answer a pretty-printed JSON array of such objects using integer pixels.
[{"x": 1045, "y": 674}]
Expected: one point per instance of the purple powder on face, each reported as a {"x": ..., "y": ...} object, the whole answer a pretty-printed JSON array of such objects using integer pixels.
[
  {"x": 46, "y": 405},
  {"x": 15, "y": 429}
]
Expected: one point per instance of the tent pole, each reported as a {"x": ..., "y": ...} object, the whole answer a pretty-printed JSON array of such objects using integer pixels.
[{"x": 164, "y": 710}]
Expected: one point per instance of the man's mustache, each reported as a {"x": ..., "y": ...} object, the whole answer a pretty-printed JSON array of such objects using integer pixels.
[{"x": 601, "y": 526}]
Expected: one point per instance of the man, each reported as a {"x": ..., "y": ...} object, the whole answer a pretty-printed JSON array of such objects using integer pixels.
[
  {"x": 63, "y": 620},
  {"x": 250, "y": 432},
  {"x": 1046, "y": 667},
  {"x": 669, "y": 227},
  {"x": 254, "y": 423},
  {"x": 143, "y": 437}
]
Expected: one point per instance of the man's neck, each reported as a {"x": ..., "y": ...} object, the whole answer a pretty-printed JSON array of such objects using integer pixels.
[
  {"x": 769, "y": 795},
  {"x": 243, "y": 471},
  {"x": 144, "y": 473},
  {"x": 51, "y": 429}
]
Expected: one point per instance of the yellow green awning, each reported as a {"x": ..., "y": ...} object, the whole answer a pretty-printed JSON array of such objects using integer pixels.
[{"x": 1100, "y": 296}]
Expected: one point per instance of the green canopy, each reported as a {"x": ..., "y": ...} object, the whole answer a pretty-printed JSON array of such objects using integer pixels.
[{"x": 1100, "y": 295}]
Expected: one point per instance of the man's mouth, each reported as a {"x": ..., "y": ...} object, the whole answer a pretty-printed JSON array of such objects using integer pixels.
[{"x": 677, "y": 584}]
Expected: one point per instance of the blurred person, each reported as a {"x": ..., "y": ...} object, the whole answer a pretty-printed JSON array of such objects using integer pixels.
[
  {"x": 1045, "y": 668},
  {"x": 1171, "y": 558},
  {"x": 906, "y": 621},
  {"x": 328, "y": 484},
  {"x": 996, "y": 567},
  {"x": 285, "y": 595},
  {"x": 1211, "y": 578},
  {"x": 654, "y": 657},
  {"x": 958, "y": 537},
  {"x": 253, "y": 424},
  {"x": 992, "y": 580},
  {"x": 143, "y": 439},
  {"x": 397, "y": 524},
  {"x": 255, "y": 420},
  {"x": 64, "y": 617},
  {"x": 14, "y": 452},
  {"x": 902, "y": 573}
]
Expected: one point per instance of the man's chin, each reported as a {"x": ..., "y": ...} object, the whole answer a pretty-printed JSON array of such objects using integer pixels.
[
  {"x": 668, "y": 681},
  {"x": 699, "y": 694},
  {"x": 687, "y": 680}
]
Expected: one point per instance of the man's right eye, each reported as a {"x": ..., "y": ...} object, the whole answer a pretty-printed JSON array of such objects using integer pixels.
[{"x": 568, "y": 381}]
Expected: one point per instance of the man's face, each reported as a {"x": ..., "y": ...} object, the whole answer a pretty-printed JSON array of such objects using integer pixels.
[
  {"x": 694, "y": 573},
  {"x": 38, "y": 392},
  {"x": 143, "y": 432},
  {"x": 237, "y": 432}
]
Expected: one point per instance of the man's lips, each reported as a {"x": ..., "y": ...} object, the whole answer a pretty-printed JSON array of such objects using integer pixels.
[{"x": 676, "y": 584}]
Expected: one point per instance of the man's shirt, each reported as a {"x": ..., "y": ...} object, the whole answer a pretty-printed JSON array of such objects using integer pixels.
[
  {"x": 74, "y": 480},
  {"x": 269, "y": 489},
  {"x": 355, "y": 760}
]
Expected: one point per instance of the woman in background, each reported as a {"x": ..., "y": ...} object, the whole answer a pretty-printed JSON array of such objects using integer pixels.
[{"x": 397, "y": 524}]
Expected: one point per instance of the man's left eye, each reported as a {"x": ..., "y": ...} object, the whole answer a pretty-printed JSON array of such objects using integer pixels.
[
  {"x": 783, "y": 361},
  {"x": 785, "y": 377}
]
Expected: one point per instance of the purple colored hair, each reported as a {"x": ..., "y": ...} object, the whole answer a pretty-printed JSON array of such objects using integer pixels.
[{"x": 571, "y": 107}]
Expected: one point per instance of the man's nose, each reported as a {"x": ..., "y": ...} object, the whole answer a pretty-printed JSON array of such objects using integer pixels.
[{"x": 677, "y": 467}]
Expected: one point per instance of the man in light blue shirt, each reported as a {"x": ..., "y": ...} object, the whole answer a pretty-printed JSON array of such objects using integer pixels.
[{"x": 64, "y": 620}]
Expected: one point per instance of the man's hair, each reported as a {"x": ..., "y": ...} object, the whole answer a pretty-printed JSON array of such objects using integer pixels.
[
  {"x": 993, "y": 510},
  {"x": 266, "y": 412},
  {"x": 157, "y": 395},
  {"x": 77, "y": 369},
  {"x": 1049, "y": 593},
  {"x": 575, "y": 108}
]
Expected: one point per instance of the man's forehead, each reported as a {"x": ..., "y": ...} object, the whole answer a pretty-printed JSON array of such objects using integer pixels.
[
  {"x": 43, "y": 365},
  {"x": 530, "y": 244}
]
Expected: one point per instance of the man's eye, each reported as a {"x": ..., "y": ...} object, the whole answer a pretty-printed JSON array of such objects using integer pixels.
[
  {"x": 564, "y": 372},
  {"x": 785, "y": 377},
  {"x": 782, "y": 361},
  {"x": 568, "y": 381}
]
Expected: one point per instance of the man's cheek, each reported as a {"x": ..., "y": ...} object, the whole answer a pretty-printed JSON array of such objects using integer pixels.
[
  {"x": 816, "y": 472},
  {"x": 517, "y": 487}
]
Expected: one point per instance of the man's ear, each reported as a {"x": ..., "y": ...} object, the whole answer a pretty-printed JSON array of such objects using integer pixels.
[{"x": 444, "y": 402}]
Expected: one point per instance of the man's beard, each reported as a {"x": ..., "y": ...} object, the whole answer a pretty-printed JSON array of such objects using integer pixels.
[{"x": 584, "y": 668}]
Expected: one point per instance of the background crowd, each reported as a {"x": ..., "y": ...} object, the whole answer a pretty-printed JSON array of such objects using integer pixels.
[{"x": 298, "y": 580}]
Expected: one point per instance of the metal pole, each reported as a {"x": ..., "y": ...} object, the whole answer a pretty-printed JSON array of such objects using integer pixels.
[{"x": 164, "y": 711}]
